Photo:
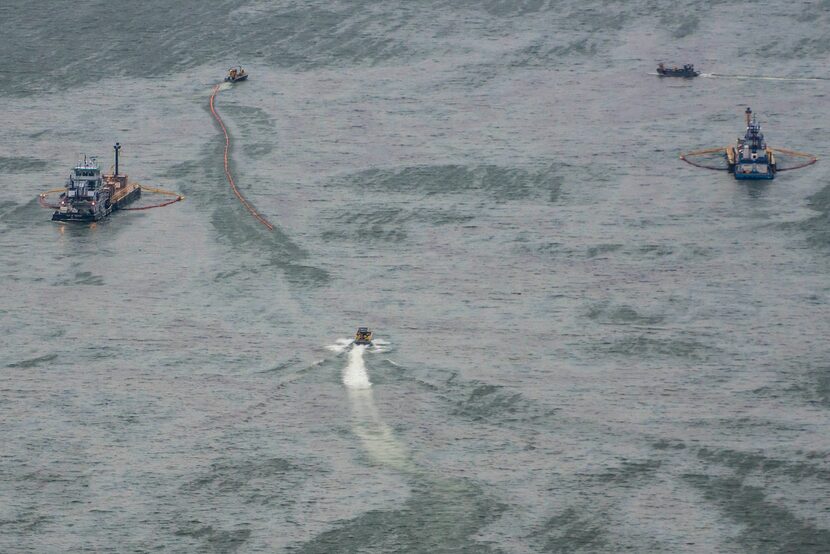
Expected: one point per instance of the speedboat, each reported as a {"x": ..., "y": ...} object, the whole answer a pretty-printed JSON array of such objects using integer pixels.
[{"x": 363, "y": 337}]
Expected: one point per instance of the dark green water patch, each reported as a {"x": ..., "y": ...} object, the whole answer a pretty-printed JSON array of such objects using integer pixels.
[
  {"x": 665, "y": 444},
  {"x": 154, "y": 39},
  {"x": 273, "y": 248},
  {"x": 548, "y": 249},
  {"x": 81, "y": 278},
  {"x": 579, "y": 47},
  {"x": 627, "y": 472},
  {"x": 581, "y": 528},
  {"x": 646, "y": 346},
  {"x": 743, "y": 463},
  {"x": 817, "y": 228},
  {"x": 258, "y": 150},
  {"x": 7, "y": 206},
  {"x": 813, "y": 387},
  {"x": 388, "y": 224},
  {"x": 215, "y": 540},
  {"x": 656, "y": 250},
  {"x": 600, "y": 249},
  {"x": 235, "y": 476},
  {"x": 378, "y": 216},
  {"x": 236, "y": 227},
  {"x": 183, "y": 170},
  {"x": 680, "y": 22},
  {"x": 609, "y": 313},
  {"x": 492, "y": 403},
  {"x": 500, "y": 183},
  {"x": 767, "y": 526},
  {"x": 299, "y": 274},
  {"x": 485, "y": 400},
  {"x": 24, "y": 215},
  {"x": 250, "y": 116},
  {"x": 482, "y": 402},
  {"x": 541, "y": 53},
  {"x": 602, "y": 19},
  {"x": 440, "y": 516},
  {"x": 572, "y": 531},
  {"x": 260, "y": 482},
  {"x": 21, "y": 164},
  {"x": 803, "y": 48},
  {"x": 512, "y": 8},
  {"x": 284, "y": 365},
  {"x": 822, "y": 386},
  {"x": 33, "y": 362}
]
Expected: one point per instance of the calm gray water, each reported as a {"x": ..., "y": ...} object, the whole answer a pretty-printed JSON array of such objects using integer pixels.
[{"x": 586, "y": 345}]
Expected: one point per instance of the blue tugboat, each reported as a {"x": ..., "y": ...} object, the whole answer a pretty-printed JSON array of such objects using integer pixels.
[
  {"x": 687, "y": 71},
  {"x": 750, "y": 158}
]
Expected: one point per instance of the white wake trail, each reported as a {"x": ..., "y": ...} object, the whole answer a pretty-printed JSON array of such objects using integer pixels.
[
  {"x": 355, "y": 375},
  {"x": 340, "y": 345},
  {"x": 378, "y": 438},
  {"x": 763, "y": 77}
]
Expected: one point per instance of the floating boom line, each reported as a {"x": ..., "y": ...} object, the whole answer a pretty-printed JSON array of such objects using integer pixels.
[
  {"x": 247, "y": 205},
  {"x": 176, "y": 198},
  {"x": 42, "y": 199},
  {"x": 690, "y": 158},
  {"x": 810, "y": 159},
  {"x": 721, "y": 149}
]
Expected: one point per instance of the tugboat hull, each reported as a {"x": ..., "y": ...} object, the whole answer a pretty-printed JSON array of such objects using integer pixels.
[
  {"x": 81, "y": 216},
  {"x": 236, "y": 79},
  {"x": 755, "y": 176}
]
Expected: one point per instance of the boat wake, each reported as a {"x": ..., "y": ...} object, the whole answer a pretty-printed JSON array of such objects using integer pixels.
[
  {"x": 377, "y": 437},
  {"x": 762, "y": 77},
  {"x": 379, "y": 345},
  {"x": 343, "y": 344},
  {"x": 355, "y": 375},
  {"x": 340, "y": 345}
]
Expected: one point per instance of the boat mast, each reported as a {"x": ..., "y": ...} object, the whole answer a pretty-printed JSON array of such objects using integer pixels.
[{"x": 117, "y": 147}]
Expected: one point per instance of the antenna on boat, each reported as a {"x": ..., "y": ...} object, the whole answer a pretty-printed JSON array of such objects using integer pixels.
[
  {"x": 117, "y": 147},
  {"x": 748, "y": 115}
]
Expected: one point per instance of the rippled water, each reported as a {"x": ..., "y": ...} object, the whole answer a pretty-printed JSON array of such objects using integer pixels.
[{"x": 586, "y": 345}]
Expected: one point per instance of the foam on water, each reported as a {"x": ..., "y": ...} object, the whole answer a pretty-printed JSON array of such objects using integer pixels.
[
  {"x": 376, "y": 436},
  {"x": 340, "y": 345},
  {"x": 355, "y": 375}
]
